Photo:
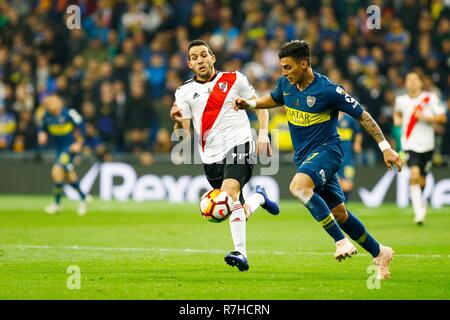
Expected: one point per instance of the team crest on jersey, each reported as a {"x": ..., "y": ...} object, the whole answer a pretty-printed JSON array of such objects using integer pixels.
[
  {"x": 223, "y": 86},
  {"x": 310, "y": 100}
]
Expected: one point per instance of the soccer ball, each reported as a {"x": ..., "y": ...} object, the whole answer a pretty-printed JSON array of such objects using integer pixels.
[{"x": 216, "y": 205}]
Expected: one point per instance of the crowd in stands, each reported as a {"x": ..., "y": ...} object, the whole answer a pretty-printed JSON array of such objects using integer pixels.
[{"x": 121, "y": 68}]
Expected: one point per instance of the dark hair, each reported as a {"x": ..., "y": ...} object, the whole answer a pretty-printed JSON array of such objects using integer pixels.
[
  {"x": 297, "y": 49},
  {"x": 198, "y": 42}
]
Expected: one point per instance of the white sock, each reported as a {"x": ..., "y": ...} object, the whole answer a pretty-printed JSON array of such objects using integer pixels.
[
  {"x": 254, "y": 201},
  {"x": 424, "y": 207},
  {"x": 237, "y": 227},
  {"x": 417, "y": 202}
]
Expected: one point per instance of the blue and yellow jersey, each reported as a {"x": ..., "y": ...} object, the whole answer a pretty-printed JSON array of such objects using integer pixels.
[
  {"x": 348, "y": 128},
  {"x": 62, "y": 127},
  {"x": 312, "y": 113}
]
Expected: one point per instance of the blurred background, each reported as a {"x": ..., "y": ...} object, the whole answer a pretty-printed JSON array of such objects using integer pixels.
[{"x": 121, "y": 69}]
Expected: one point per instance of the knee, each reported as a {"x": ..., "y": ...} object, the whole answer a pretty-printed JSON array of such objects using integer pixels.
[
  {"x": 57, "y": 174},
  {"x": 301, "y": 192},
  {"x": 232, "y": 192},
  {"x": 340, "y": 216}
]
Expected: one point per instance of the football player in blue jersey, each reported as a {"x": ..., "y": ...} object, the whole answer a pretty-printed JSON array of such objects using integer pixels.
[
  {"x": 351, "y": 137},
  {"x": 312, "y": 105},
  {"x": 65, "y": 128}
]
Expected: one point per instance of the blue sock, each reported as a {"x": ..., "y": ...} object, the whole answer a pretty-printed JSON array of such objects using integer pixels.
[
  {"x": 356, "y": 230},
  {"x": 57, "y": 192},
  {"x": 76, "y": 186},
  {"x": 322, "y": 214}
]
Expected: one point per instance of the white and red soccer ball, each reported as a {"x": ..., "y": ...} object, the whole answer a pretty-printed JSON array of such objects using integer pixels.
[{"x": 216, "y": 205}]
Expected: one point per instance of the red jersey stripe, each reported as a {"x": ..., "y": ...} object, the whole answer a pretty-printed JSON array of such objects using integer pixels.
[
  {"x": 215, "y": 103},
  {"x": 413, "y": 120}
]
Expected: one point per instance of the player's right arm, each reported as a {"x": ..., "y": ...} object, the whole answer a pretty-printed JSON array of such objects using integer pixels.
[
  {"x": 181, "y": 115},
  {"x": 398, "y": 115},
  {"x": 265, "y": 102},
  {"x": 42, "y": 133},
  {"x": 273, "y": 100},
  {"x": 42, "y": 138}
]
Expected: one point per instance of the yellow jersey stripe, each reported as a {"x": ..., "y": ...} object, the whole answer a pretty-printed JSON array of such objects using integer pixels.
[
  {"x": 60, "y": 129},
  {"x": 306, "y": 119}
]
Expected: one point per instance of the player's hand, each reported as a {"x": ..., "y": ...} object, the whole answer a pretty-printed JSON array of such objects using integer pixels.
[
  {"x": 240, "y": 103},
  {"x": 75, "y": 147},
  {"x": 392, "y": 158},
  {"x": 421, "y": 116},
  {"x": 42, "y": 138},
  {"x": 175, "y": 113},
  {"x": 263, "y": 143}
]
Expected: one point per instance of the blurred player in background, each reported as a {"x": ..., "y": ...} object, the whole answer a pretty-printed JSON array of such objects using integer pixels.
[
  {"x": 65, "y": 127},
  {"x": 417, "y": 111},
  {"x": 226, "y": 144},
  {"x": 351, "y": 137},
  {"x": 312, "y": 105}
]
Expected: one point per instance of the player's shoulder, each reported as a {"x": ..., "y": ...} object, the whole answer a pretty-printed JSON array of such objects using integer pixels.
[
  {"x": 185, "y": 86},
  {"x": 328, "y": 85},
  {"x": 402, "y": 99}
]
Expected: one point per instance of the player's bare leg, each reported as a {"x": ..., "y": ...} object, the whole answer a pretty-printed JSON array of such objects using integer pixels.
[
  {"x": 238, "y": 220},
  {"x": 58, "y": 181},
  {"x": 416, "y": 183},
  {"x": 72, "y": 178},
  {"x": 302, "y": 187}
]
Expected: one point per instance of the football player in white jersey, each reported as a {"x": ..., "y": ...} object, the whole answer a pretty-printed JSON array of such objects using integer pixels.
[
  {"x": 226, "y": 144},
  {"x": 416, "y": 112}
]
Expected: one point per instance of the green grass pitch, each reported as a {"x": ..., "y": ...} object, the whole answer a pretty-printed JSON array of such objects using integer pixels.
[{"x": 167, "y": 251}]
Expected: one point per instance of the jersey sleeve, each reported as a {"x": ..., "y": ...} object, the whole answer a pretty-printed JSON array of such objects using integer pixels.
[
  {"x": 342, "y": 101},
  {"x": 246, "y": 90},
  {"x": 182, "y": 104},
  {"x": 277, "y": 93},
  {"x": 397, "y": 105}
]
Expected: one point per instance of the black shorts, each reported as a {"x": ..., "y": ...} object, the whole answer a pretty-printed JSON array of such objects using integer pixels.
[
  {"x": 422, "y": 160},
  {"x": 238, "y": 165}
]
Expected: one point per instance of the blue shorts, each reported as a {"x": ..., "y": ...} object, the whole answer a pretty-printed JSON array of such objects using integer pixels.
[
  {"x": 64, "y": 158},
  {"x": 322, "y": 166}
]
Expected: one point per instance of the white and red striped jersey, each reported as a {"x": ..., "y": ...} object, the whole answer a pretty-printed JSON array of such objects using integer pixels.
[
  {"x": 219, "y": 128},
  {"x": 418, "y": 136}
]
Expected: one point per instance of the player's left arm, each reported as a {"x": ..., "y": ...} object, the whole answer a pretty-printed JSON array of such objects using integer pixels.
[
  {"x": 438, "y": 116},
  {"x": 79, "y": 131},
  {"x": 246, "y": 90},
  {"x": 263, "y": 142},
  {"x": 344, "y": 102},
  {"x": 371, "y": 126},
  {"x": 357, "y": 143}
]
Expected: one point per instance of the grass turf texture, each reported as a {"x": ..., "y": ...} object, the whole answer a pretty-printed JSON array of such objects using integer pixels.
[{"x": 167, "y": 251}]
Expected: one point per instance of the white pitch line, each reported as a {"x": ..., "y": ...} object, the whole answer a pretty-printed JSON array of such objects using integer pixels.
[{"x": 189, "y": 250}]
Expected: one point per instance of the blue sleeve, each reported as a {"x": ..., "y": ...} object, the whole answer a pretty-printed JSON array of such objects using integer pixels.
[
  {"x": 42, "y": 127},
  {"x": 342, "y": 101},
  {"x": 277, "y": 93}
]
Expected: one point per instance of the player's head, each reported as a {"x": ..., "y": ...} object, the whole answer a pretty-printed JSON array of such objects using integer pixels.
[
  {"x": 295, "y": 60},
  {"x": 53, "y": 104},
  {"x": 201, "y": 59},
  {"x": 413, "y": 82}
]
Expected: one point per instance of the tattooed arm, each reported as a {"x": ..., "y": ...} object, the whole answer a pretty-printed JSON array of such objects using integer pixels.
[{"x": 390, "y": 156}]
